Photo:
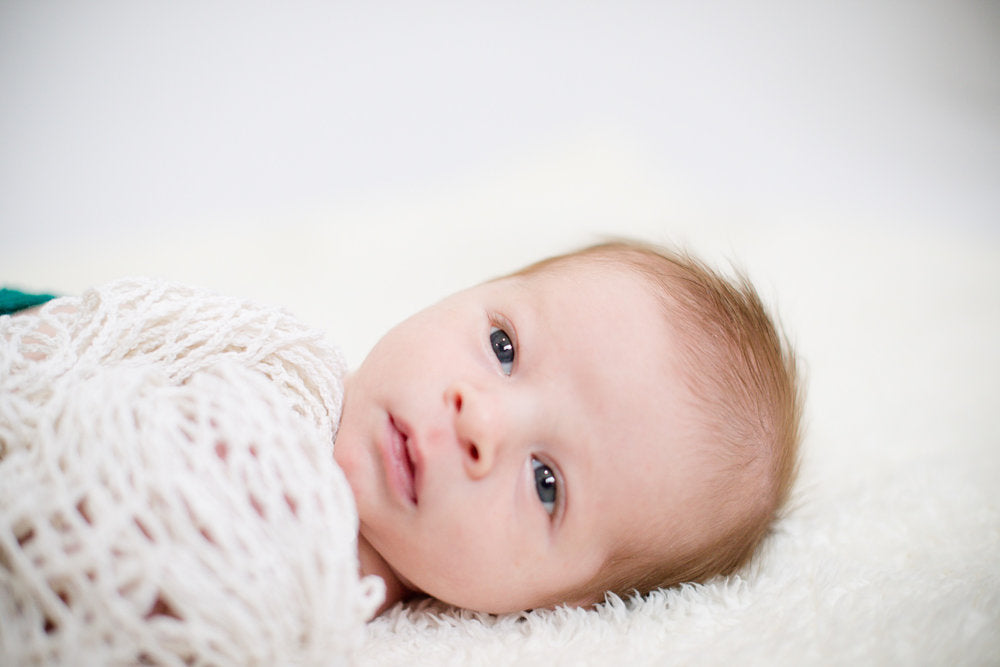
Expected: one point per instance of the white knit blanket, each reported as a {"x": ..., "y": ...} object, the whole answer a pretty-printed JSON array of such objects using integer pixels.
[{"x": 167, "y": 487}]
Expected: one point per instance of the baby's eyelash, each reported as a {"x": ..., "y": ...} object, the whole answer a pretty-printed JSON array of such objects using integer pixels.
[
  {"x": 503, "y": 341},
  {"x": 548, "y": 485},
  {"x": 501, "y": 322}
]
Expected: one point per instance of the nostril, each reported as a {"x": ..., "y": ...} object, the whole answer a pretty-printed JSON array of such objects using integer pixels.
[
  {"x": 458, "y": 402},
  {"x": 474, "y": 452}
]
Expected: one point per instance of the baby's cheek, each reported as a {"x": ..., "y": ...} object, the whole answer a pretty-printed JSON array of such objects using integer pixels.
[{"x": 349, "y": 458}]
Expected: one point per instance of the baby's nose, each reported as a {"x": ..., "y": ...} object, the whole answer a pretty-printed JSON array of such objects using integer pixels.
[{"x": 474, "y": 428}]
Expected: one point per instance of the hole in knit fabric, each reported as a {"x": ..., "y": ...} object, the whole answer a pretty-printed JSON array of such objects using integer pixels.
[
  {"x": 207, "y": 535},
  {"x": 81, "y": 508},
  {"x": 25, "y": 537},
  {"x": 142, "y": 528},
  {"x": 49, "y": 624},
  {"x": 161, "y": 608},
  {"x": 292, "y": 505},
  {"x": 255, "y": 503}
]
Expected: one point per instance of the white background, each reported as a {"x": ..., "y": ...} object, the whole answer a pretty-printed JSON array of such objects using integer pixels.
[{"x": 166, "y": 121}]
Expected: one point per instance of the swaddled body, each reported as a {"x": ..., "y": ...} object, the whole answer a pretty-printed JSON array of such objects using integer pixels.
[{"x": 167, "y": 486}]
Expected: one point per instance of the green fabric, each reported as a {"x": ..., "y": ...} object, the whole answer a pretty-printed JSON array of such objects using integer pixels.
[{"x": 12, "y": 300}]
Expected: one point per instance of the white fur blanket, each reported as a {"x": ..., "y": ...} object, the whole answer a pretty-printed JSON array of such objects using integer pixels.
[{"x": 167, "y": 487}]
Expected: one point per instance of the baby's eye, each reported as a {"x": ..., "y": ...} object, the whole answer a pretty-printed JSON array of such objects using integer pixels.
[
  {"x": 545, "y": 485},
  {"x": 503, "y": 348}
]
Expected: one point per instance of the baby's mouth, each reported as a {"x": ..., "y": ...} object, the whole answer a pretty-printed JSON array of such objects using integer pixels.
[{"x": 405, "y": 468}]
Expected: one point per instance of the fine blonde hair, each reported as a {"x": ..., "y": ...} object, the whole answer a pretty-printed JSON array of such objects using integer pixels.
[{"x": 741, "y": 371}]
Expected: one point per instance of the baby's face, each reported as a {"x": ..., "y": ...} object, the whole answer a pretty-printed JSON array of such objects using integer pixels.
[{"x": 502, "y": 444}]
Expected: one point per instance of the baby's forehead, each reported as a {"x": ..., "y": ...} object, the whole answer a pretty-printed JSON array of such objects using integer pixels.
[
  {"x": 566, "y": 264},
  {"x": 598, "y": 328},
  {"x": 567, "y": 275},
  {"x": 603, "y": 321}
]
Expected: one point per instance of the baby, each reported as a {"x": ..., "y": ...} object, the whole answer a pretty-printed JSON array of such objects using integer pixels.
[{"x": 620, "y": 418}]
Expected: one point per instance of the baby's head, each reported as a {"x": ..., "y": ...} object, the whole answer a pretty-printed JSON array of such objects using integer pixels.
[{"x": 616, "y": 419}]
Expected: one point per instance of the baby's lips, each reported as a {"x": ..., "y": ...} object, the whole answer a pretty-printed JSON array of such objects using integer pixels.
[
  {"x": 414, "y": 455},
  {"x": 401, "y": 465}
]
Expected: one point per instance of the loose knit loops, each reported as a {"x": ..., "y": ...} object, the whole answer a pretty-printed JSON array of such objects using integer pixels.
[{"x": 167, "y": 488}]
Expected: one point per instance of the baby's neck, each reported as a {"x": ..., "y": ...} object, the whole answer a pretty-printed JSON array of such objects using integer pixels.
[{"x": 373, "y": 563}]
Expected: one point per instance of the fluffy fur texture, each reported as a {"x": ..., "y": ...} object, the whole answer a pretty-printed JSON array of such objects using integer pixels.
[{"x": 167, "y": 487}]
